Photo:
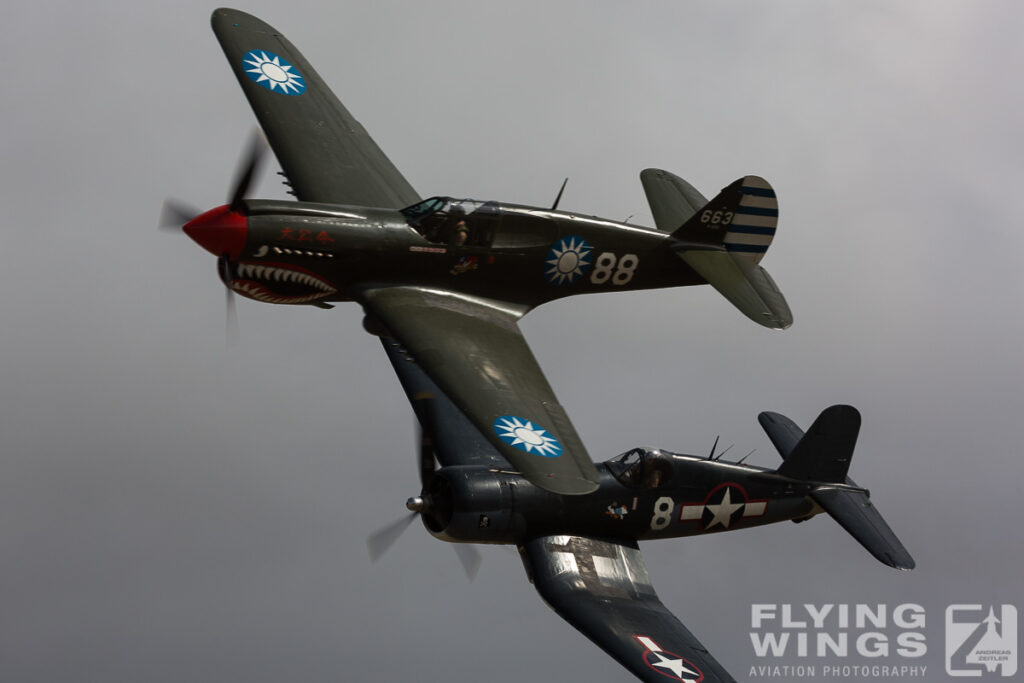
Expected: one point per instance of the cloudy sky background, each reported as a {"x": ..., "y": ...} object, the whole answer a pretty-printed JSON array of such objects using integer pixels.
[{"x": 174, "y": 510}]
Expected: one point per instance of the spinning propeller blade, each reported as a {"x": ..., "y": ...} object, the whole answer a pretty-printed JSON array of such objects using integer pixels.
[
  {"x": 426, "y": 457},
  {"x": 231, "y": 313},
  {"x": 246, "y": 170},
  {"x": 470, "y": 558},
  {"x": 221, "y": 230},
  {"x": 381, "y": 540},
  {"x": 174, "y": 214}
]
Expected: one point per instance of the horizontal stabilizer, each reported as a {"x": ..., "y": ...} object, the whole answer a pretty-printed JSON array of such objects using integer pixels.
[
  {"x": 823, "y": 453},
  {"x": 783, "y": 432},
  {"x": 855, "y": 513},
  {"x": 748, "y": 288}
]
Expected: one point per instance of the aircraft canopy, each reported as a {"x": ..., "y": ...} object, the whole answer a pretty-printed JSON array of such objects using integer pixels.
[
  {"x": 641, "y": 468},
  {"x": 454, "y": 221}
]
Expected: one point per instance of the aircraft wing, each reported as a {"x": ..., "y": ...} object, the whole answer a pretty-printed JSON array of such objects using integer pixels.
[
  {"x": 325, "y": 153},
  {"x": 473, "y": 350},
  {"x": 452, "y": 437},
  {"x": 602, "y": 588}
]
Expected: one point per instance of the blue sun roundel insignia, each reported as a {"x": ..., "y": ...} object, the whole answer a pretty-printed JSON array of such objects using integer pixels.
[
  {"x": 568, "y": 259},
  {"x": 526, "y": 436},
  {"x": 273, "y": 73}
]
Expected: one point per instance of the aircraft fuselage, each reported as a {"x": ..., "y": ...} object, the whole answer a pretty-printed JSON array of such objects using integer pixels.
[
  {"x": 690, "y": 496},
  {"x": 305, "y": 253}
]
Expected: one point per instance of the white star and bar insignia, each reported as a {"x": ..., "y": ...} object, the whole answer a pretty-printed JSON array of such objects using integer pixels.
[{"x": 731, "y": 504}]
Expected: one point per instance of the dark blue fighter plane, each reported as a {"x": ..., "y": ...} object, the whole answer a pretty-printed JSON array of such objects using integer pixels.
[
  {"x": 581, "y": 552},
  {"x": 443, "y": 282}
]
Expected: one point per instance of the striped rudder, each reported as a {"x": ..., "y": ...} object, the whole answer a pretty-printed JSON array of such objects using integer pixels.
[
  {"x": 741, "y": 219},
  {"x": 753, "y": 223}
]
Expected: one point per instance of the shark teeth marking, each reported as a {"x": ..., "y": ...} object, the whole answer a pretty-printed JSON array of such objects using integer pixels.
[
  {"x": 268, "y": 273},
  {"x": 252, "y": 276},
  {"x": 259, "y": 293}
]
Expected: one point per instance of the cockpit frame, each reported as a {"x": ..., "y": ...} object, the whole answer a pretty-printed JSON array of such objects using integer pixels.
[{"x": 641, "y": 468}]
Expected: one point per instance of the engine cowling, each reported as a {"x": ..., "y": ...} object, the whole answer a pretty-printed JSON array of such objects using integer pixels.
[{"x": 476, "y": 505}]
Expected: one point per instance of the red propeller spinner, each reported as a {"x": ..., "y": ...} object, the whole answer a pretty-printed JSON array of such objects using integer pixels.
[{"x": 220, "y": 231}]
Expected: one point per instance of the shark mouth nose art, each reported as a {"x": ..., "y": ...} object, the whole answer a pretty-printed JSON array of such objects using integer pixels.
[{"x": 279, "y": 283}]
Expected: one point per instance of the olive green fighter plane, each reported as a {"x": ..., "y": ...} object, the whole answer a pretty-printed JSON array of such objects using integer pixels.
[
  {"x": 444, "y": 281},
  {"x": 448, "y": 277}
]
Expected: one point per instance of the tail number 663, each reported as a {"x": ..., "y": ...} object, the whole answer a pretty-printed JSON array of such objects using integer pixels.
[{"x": 716, "y": 218}]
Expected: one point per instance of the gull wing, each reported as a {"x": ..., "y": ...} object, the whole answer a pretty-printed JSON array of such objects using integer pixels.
[
  {"x": 602, "y": 588},
  {"x": 452, "y": 437},
  {"x": 472, "y": 349},
  {"x": 325, "y": 153}
]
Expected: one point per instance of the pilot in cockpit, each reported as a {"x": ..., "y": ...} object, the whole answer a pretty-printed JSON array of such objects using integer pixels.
[
  {"x": 460, "y": 233},
  {"x": 653, "y": 473},
  {"x": 641, "y": 468}
]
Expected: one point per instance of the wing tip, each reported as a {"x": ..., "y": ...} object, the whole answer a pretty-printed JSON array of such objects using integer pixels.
[{"x": 226, "y": 17}]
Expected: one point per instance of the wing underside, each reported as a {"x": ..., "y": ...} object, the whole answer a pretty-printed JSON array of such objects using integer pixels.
[
  {"x": 451, "y": 436},
  {"x": 602, "y": 588},
  {"x": 473, "y": 350},
  {"x": 325, "y": 153}
]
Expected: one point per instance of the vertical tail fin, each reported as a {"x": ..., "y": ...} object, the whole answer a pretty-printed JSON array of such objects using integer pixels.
[{"x": 823, "y": 453}]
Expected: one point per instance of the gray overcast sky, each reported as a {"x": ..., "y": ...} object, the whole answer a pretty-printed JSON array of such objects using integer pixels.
[{"x": 171, "y": 510}]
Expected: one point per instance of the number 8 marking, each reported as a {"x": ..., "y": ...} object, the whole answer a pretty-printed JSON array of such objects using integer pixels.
[
  {"x": 603, "y": 268},
  {"x": 662, "y": 513},
  {"x": 627, "y": 266}
]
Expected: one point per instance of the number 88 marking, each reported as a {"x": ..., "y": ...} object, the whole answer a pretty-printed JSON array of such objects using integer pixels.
[{"x": 604, "y": 268}]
